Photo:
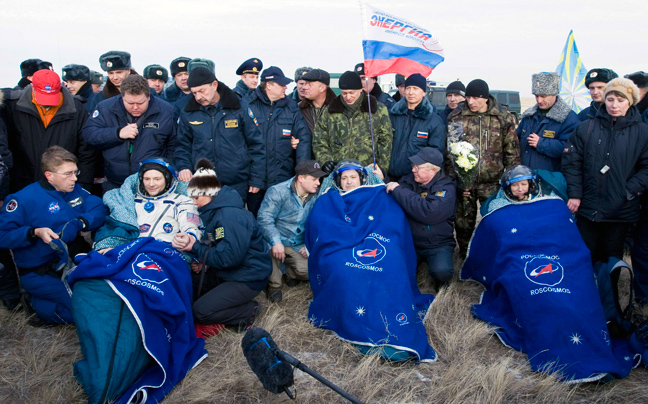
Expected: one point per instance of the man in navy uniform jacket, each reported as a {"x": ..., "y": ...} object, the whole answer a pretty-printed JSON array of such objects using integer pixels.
[
  {"x": 428, "y": 198},
  {"x": 55, "y": 208}
]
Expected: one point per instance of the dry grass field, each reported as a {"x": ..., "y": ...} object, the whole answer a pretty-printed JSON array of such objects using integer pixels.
[{"x": 473, "y": 366}]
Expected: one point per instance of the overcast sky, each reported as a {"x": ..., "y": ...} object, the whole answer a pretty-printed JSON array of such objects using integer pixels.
[{"x": 500, "y": 41}]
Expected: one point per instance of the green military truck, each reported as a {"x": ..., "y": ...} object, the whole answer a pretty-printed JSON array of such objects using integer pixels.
[{"x": 511, "y": 99}]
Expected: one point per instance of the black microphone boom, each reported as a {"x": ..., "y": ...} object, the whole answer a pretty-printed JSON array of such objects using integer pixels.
[
  {"x": 260, "y": 351},
  {"x": 272, "y": 366}
]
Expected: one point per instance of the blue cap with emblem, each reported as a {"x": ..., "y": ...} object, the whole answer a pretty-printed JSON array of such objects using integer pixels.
[
  {"x": 273, "y": 73},
  {"x": 253, "y": 66}
]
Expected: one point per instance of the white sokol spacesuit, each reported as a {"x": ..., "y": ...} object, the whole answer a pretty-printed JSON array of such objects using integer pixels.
[{"x": 164, "y": 215}]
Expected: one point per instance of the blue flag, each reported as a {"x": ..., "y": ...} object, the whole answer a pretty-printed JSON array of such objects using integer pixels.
[{"x": 573, "y": 72}]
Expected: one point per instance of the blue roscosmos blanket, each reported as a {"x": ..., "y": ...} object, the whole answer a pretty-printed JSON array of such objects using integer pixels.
[
  {"x": 540, "y": 291},
  {"x": 154, "y": 281},
  {"x": 362, "y": 269}
]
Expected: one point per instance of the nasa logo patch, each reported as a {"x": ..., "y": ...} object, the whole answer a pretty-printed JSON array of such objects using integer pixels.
[
  {"x": 168, "y": 227},
  {"x": 12, "y": 205},
  {"x": 54, "y": 207}
]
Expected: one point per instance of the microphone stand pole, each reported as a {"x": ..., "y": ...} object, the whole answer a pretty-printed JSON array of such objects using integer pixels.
[{"x": 296, "y": 363}]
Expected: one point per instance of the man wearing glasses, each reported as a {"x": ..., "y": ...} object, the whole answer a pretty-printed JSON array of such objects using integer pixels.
[
  {"x": 427, "y": 196},
  {"x": 35, "y": 220}
]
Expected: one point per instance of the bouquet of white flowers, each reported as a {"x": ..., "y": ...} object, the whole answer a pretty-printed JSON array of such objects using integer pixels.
[{"x": 464, "y": 158}]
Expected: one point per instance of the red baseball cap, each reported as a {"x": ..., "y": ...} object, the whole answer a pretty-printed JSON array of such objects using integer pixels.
[{"x": 47, "y": 87}]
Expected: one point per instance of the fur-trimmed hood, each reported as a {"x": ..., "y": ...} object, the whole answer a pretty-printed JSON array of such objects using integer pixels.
[
  {"x": 337, "y": 106},
  {"x": 422, "y": 111},
  {"x": 228, "y": 99},
  {"x": 558, "y": 112}
]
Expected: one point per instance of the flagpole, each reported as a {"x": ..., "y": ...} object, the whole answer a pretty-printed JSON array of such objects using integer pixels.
[{"x": 373, "y": 143}]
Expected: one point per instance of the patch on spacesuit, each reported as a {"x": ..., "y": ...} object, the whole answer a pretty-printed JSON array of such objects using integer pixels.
[
  {"x": 76, "y": 202},
  {"x": 54, "y": 207},
  {"x": 231, "y": 123},
  {"x": 12, "y": 205},
  {"x": 193, "y": 218},
  {"x": 145, "y": 227},
  {"x": 219, "y": 233},
  {"x": 168, "y": 227}
]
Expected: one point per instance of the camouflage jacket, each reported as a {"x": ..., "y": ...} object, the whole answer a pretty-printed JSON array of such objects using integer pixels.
[
  {"x": 492, "y": 133},
  {"x": 339, "y": 136}
]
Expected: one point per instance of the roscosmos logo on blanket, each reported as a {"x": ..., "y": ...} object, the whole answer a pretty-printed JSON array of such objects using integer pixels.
[
  {"x": 369, "y": 252},
  {"x": 148, "y": 270},
  {"x": 543, "y": 270}
]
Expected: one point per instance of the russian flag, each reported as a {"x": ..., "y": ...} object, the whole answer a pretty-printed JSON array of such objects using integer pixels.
[{"x": 394, "y": 45}]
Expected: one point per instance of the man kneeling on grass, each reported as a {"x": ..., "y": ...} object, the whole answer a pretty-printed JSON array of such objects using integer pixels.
[
  {"x": 235, "y": 261},
  {"x": 37, "y": 218},
  {"x": 282, "y": 218}
]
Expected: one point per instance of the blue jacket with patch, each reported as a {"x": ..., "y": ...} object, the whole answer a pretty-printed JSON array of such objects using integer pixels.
[
  {"x": 554, "y": 130},
  {"x": 225, "y": 133},
  {"x": 156, "y": 137},
  {"x": 430, "y": 209},
  {"x": 40, "y": 205},
  {"x": 278, "y": 122},
  {"x": 232, "y": 242},
  {"x": 414, "y": 130},
  {"x": 282, "y": 216}
]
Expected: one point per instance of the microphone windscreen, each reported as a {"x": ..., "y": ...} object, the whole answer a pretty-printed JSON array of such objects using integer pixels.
[{"x": 259, "y": 350}]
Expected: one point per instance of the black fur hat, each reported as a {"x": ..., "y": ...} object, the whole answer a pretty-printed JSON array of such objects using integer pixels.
[
  {"x": 31, "y": 66},
  {"x": 178, "y": 65},
  {"x": 75, "y": 72},
  {"x": 96, "y": 77},
  {"x": 204, "y": 181},
  {"x": 115, "y": 60},
  {"x": 602, "y": 75},
  {"x": 639, "y": 78},
  {"x": 156, "y": 72}
]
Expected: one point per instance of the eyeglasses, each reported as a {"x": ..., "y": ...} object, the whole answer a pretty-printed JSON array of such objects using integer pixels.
[
  {"x": 69, "y": 173},
  {"x": 417, "y": 168}
]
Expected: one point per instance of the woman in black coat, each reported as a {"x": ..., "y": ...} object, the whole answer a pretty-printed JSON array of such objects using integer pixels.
[
  {"x": 606, "y": 168},
  {"x": 236, "y": 259}
]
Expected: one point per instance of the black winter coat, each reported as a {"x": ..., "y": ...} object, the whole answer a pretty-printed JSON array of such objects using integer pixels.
[
  {"x": 605, "y": 164},
  {"x": 414, "y": 130},
  {"x": 429, "y": 208},
  {"x": 28, "y": 138},
  {"x": 156, "y": 137},
  {"x": 233, "y": 242},
  {"x": 227, "y": 135},
  {"x": 278, "y": 122}
]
